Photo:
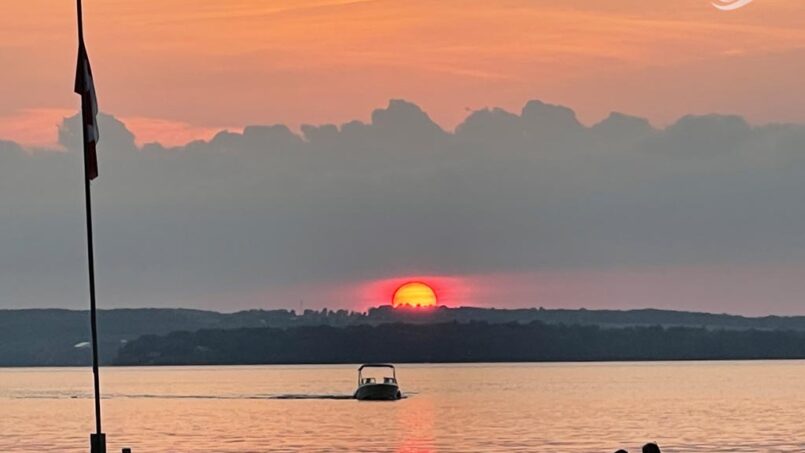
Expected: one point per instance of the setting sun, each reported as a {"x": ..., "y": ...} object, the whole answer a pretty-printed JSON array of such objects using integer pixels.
[{"x": 414, "y": 294}]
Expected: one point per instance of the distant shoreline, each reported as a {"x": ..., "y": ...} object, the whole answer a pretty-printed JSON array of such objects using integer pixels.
[
  {"x": 41, "y": 337},
  {"x": 476, "y": 342}
]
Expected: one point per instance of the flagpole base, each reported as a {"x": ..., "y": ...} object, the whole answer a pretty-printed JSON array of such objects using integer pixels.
[{"x": 97, "y": 443}]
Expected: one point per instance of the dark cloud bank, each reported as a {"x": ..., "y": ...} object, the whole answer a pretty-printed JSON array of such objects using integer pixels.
[{"x": 504, "y": 192}]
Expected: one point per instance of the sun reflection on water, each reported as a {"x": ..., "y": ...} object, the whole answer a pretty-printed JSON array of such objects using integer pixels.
[{"x": 416, "y": 421}]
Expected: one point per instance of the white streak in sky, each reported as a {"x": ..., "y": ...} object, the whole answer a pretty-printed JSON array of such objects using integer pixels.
[{"x": 730, "y": 5}]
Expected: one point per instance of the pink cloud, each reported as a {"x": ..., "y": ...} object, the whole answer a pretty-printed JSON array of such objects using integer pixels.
[
  {"x": 168, "y": 132},
  {"x": 36, "y": 128}
]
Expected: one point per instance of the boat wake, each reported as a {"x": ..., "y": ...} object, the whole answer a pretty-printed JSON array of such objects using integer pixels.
[
  {"x": 290, "y": 396},
  {"x": 312, "y": 397},
  {"x": 240, "y": 397}
]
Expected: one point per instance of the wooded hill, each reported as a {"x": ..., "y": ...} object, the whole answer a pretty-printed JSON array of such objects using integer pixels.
[
  {"x": 455, "y": 342},
  {"x": 49, "y": 337}
]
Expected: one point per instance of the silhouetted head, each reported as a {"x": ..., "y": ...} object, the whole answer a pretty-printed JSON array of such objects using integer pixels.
[
  {"x": 621, "y": 451},
  {"x": 651, "y": 447}
]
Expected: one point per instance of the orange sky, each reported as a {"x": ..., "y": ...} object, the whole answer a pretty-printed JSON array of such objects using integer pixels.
[{"x": 174, "y": 70}]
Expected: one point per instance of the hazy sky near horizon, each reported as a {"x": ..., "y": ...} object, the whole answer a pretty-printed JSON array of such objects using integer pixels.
[{"x": 495, "y": 200}]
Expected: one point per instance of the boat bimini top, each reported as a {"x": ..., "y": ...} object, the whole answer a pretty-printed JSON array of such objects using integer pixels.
[{"x": 371, "y": 380}]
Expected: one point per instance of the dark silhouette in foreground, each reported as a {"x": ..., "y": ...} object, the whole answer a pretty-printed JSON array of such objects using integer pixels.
[{"x": 651, "y": 447}]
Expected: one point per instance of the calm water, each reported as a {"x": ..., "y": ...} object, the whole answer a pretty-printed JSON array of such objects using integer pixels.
[{"x": 686, "y": 407}]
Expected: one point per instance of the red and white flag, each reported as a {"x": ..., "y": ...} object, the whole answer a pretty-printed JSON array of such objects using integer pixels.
[{"x": 89, "y": 111}]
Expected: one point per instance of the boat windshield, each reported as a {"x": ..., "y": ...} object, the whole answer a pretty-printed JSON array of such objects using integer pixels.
[{"x": 372, "y": 380}]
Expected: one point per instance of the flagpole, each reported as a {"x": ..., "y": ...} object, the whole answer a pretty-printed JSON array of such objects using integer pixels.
[{"x": 98, "y": 439}]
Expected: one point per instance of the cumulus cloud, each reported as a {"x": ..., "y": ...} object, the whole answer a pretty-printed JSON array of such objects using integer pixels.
[{"x": 505, "y": 192}]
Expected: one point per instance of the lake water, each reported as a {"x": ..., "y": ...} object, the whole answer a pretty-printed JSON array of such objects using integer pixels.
[{"x": 596, "y": 407}]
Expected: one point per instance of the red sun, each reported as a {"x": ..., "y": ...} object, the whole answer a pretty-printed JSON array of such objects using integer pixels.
[{"x": 414, "y": 294}]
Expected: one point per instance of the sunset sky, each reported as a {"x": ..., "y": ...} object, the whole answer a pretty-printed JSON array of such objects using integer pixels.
[
  {"x": 458, "y": 181},
  {"x": 175, "y": 70}
]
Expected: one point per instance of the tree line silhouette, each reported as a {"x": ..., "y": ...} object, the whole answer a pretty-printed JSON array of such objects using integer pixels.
[
  {"x": 48, "y": 337},
  {"x": 458, "y": 342}
]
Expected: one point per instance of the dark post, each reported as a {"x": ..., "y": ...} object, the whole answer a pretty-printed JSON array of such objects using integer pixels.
[{"x": 98, "y": 439}]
